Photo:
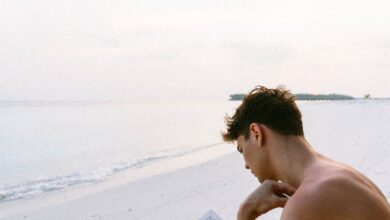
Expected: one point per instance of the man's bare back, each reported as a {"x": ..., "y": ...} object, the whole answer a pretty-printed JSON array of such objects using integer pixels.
[{"x": 332, "y": 190}]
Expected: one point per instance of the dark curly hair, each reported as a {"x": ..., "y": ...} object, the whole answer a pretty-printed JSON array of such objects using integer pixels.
[{"x": 274, "y": 108}]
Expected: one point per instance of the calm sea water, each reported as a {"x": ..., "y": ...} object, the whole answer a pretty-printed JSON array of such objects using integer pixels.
[{"x": 51, "y": 146}]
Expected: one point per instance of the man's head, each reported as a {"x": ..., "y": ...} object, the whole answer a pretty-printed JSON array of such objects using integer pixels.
[
  {"x": 264, "y": 117},
  {"x": 274, "y": 108}
]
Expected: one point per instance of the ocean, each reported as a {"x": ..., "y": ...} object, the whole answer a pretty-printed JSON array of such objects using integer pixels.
[{"x": 49, "y": 146}]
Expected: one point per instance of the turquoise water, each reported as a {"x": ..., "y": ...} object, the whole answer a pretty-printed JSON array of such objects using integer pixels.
[{"x": 49, "y": 146}]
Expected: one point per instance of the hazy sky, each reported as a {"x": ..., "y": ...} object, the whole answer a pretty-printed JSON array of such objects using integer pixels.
[{"x": 191, "y": 49}]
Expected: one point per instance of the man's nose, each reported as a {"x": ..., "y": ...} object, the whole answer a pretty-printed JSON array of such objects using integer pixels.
[{"x": 246, "y": 166}]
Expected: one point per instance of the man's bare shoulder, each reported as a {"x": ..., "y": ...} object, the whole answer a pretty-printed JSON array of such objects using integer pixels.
[
  {"x": 338, "y": 194},
  {"x": 315, "y": 200}
]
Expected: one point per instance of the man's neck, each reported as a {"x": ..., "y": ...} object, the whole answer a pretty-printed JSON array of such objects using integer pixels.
[{"x": 293, "y": 156}]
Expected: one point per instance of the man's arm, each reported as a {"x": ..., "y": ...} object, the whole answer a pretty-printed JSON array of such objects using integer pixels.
[{"x": 271, "y": 194}]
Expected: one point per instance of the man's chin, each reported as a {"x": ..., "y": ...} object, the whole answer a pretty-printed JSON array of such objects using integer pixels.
[{"x": 262, "y": 180}]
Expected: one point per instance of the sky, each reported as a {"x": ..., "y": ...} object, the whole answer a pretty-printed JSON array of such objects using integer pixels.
[{"x": 191, "y": 49}]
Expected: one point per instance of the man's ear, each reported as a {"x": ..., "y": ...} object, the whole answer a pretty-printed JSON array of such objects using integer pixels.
[{"x": 257, "y": 132}]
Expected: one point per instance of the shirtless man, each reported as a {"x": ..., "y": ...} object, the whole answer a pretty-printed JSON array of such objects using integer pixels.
[{"x": 269, "y": 133}]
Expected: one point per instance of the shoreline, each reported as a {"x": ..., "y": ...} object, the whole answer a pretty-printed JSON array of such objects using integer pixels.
[
  {"x": 189, "y": 192},
  {"x": 101, "y": 173}
]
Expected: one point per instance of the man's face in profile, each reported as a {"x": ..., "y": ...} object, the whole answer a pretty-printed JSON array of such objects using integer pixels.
[{"x": 253, "y": 156}]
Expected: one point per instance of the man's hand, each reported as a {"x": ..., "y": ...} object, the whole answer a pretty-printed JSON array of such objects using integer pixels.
[{"x": 269, "y": 195}]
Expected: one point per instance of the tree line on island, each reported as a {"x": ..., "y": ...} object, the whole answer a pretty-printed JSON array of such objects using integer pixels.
[{"x": 306, "y": 96}]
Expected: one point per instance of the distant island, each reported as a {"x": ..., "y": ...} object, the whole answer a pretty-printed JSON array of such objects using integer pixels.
[{"x": 304, "y": 96}]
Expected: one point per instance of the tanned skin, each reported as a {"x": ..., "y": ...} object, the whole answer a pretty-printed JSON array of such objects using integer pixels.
[{"x": 306, "y": 184}]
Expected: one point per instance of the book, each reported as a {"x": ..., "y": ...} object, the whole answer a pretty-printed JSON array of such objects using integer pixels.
[{"x": 210, "y": 215}]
